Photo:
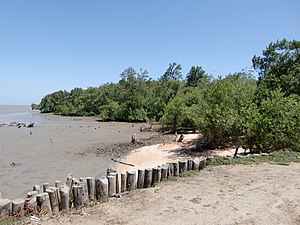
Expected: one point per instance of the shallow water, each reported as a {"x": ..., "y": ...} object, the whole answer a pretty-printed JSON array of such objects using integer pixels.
[{"x": 46, "y": 152}]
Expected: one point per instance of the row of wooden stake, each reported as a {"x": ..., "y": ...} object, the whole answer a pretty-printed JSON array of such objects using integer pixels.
[{"x": 78, "y": 192}]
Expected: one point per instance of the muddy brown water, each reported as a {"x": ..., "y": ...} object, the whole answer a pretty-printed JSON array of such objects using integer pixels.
[{"x": 54, "y": 147}]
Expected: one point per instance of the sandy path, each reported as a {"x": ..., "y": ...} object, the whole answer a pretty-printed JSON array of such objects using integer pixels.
[
  {"x": 241, "y": 194},
  {"x": 154, "y": 155}
]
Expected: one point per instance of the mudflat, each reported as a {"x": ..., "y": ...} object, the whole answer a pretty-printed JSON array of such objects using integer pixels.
[
  {"x": 241, "y": 194},
  {"x": 57, "y": 146}
]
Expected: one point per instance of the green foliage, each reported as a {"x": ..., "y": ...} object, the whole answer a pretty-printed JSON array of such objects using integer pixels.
[
  {"x": 173, "y": 72},
  {"x": 134, "y": 98},
  {"x": 261, "y": 115},
  {"x": 197, "y": 76},
  {"x": 279, "y": 67},
  {"x": 278, "y": 125}
]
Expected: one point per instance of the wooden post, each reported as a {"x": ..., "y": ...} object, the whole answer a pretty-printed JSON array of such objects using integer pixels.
[
  {"x": 182, "y": 166},
  {"x": 141, "y": 178},
  {"x": 32, "y": 194},
  {"x": 58, "y": 183},
  {"x": 43, "y": 202},
  {"x": 0, "y": 195},
  {"x": 111, "y": 185},
  {"x": 202, "y": 163},
  {"x": 156, "y": 176},
  {"x": 53, "y": 200},
  {"x": 30, "y": 205},
  {"x": 130, "y": 182},
  {"x": 77, "y": 191},
  {"x": 101, "y": 189},
  {"x": 64, "y": 192},
  {"x": 37, "y": 188},
  {"x": 69, "y": 180},
  {"x": 117, "y": 183},
  {"x": 45, "y": 186},
  {"x": 17, "y": 207},
  {"x": 168, "y": 167},
  {"x": 91, "y": 188},
  {"x": 75, "y": 181},
  {"x": 196, "y": 164},
  {"x": 83, "y": 182},
  {"x": 123, "y": 182},
  {"x": 190, "y": 163},
  {"x": 148, "y": 178},
  {"x": 171, "y": 170},
  {"x": 164, "y": 173},
  {"x": 5, "y": 207},
  {"x": 175, "y": 166}
]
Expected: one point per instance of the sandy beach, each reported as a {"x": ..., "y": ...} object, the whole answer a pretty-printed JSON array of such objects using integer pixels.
[
  {"x": 58, "y": 146},
  {"x": 241, "y": 194}
]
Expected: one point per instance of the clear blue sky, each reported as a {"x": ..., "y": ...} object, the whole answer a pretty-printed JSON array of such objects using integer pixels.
[{"x": 50, "y": 45}]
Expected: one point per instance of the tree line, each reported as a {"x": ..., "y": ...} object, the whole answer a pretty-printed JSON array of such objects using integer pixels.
[{"x": 259, "y": 114}]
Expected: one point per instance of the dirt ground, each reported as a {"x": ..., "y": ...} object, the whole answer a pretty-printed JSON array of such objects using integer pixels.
[{"x": 240, "y": 194}]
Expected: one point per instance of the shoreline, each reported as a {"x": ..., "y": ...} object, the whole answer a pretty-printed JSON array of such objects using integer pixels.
[{"x": 55, "y": 147}]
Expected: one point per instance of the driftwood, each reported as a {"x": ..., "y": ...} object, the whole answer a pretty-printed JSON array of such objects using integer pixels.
[
  {"x": 127, "y": 164},
  {"x": 18, "y": 124}
]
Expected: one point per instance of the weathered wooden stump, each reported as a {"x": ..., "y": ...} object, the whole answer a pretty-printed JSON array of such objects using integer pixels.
[
  {"x": 202, "y": 163},
  {"x": 45, "y": 186},
  {"x": 69, "y": 180},
  {"x": 64, "y": 192},
  {"x": 53, "y": 200},
  {"x": 190, "y": 164},
  {"x": 5, "y": 207},
  {"x": 164, "y": 172},
  {"x": 83, "y": 182},
  {"x": 78, "y": 194},
  {"x": 75, "y": 181},
  {"x": 43, "y": 203},
  {"x": 171, "y": 170},
  {"x": 156, "y": 176},
  {"x": 91, "y": 188},
  {"x": 182, "y": 166},
  {"x": 30, "y": 205},
  {"x": 118, "y": 176},
  {"x": 175, "y": 166},
  {"x": 130, "y": 181},
  {"x": 32, "y": 194},
  {"x": 58, "y": 183},
  {"x": 101, "y": 189},
  {"x": 141, "y": 178},
  {"x": 196, "y": 163},
  {"x": 123, "y": 182},
  {"x": 37, "y": 188},
  {"x": 111, "y": 185},
  {"x": 148, "y": 178},
  {"x": 17, "y": 207}
]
